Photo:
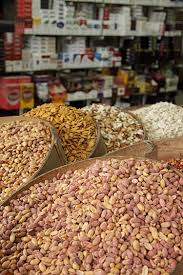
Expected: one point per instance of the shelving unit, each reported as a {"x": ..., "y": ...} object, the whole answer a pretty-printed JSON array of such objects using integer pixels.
[
  {"x": 18, "y": 66},
  {"x": 153, "y": 3},
  {"x": 53, "y": 30},
  {"x": 86, "y": 1},
  {"x": 137, "y": 34},
  {"x": 6, "y": 25},
  {"x": 62, "y": 32},
  {"x": 80, "y": 95},
  {"x": 97, "y": 32}
]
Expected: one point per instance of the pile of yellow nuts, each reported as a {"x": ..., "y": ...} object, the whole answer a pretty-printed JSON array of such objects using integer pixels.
[
  {"x": 76, "y": 129},
  {"x": 115, "y": 217},
  {"x": 23, "y": 147}
]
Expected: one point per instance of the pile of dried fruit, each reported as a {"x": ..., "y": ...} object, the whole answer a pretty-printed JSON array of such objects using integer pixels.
[
  {"x": 177, "y": 163},
  {"x": 115, "y": 217},
  {"x": 117, "y": 127},
  {"x": 162, "y": 120},
  {"x": 23, "y": 147},
  {"x": 77, "y": 130}
]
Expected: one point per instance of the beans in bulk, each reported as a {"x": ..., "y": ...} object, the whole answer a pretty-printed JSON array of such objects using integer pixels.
[
  {"x": 23, "y": 147},
  {"x": 115, "y": 217},
  {"x": 161, "y": 120},
  {"x": 117, "y": 127},
  {"x": 77, "y": 130}
]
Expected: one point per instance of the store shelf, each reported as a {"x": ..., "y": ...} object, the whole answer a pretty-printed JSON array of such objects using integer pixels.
[
  {"x": 86, "y": 1},
  {"x": 61, "y": 32},
  {"x": 20, "y": 66},
  {"x": 170, "y": 90},
  {"x": 120, "y": 2},
  {"x": 82, "y": 96},
  {"x": 92, "y": 95},
  {"x": 6, "y": 26},
  {"x": 173, "y": 33},
  {"x": 141, "y": 34},
  {"x": 153, "y": 3},
  {"x": 86, "y": 66}
]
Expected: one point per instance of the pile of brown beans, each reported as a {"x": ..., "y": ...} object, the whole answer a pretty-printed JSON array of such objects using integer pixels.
[
  {"x": 115, "y": 217},
  {"x": 23, "y": 147}
]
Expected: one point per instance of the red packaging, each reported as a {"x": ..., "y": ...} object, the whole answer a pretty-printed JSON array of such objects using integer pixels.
[
  {"x": 24, "y": 15},
  {"x": 106, "y": 13},
  {"x": 13, "y": 45},
  {"x": 10, "y": 91},
  {"x": 24, "y": 79},
  {"x": 19, "y": 27}
]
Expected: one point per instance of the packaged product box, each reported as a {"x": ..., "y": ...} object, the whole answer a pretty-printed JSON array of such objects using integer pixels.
[
  {"x": 9, "y": 93},
  {"x": 26, "y": 95},
  {"x": 57, "y": 91}
]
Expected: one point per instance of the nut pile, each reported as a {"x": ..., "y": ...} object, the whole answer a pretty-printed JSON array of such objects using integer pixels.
[
  {"x": 177, "y": 163},
  {"x": 115, "y": 217},
  {"x": 162, "y": 120},
  {"x": 77, "y": 130},
  {"x": 23, "y": 147},
  {"x": 117, "y": 127}
]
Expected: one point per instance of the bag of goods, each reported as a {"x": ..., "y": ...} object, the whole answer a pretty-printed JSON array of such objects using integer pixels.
[
  {"x": 77, "y": 131},
  {"x": 109, "y": 216},
  {"x": 118, "y": 128},
  {"x": 161, "y": 120},
  {"x": 25, "y": 145}
]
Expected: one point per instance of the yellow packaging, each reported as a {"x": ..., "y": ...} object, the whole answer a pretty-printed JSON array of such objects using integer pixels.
[
  {"x": 144, "y": 87},
  {"x": 57, "y": 93},
  {"x": 26, "y": 95},
  {"x": 106, "y": 71},
  {"x": 124, "y": 76},
  {"x": 36, "y": 21}
]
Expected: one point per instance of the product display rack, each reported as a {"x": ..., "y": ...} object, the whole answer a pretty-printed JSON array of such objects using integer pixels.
[
  {"x": 153, "y": 3},
  {"x": 99, "y": 33},
  {"x": 86, "y": 1},
  {"x": 16, "y": 66},
  {"x": 60, "y": 32},
  {"x": 44, "y": 66},
  {"x": 6, "y": 25}
]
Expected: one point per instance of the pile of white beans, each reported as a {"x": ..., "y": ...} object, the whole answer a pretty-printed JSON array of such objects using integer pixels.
[{"x": 161, "y": 120}]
